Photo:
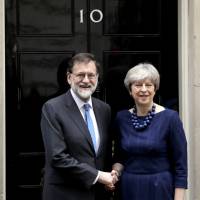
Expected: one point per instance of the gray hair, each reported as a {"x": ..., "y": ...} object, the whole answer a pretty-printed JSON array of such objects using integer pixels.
[
  {"x": 83, "y": 58},
  {"x": 141, "y": 72}
]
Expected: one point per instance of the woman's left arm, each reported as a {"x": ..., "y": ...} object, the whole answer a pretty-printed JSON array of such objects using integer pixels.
[
  {"x": 179, "y": 194},
  {"x": 178, "y": 151}
]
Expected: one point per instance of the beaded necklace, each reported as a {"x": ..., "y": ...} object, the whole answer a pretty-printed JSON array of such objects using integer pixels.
[{"x": 139, "y": 123}]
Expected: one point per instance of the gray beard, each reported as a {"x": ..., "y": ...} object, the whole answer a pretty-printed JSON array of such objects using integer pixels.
[{"x": 84, "y": 95}]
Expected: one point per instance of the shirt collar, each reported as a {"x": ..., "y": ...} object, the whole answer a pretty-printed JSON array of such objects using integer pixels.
[{"x": 78, "y": 101}]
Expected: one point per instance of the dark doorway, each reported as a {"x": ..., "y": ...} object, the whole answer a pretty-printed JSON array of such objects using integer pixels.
[{"x": 40, "y": 37}]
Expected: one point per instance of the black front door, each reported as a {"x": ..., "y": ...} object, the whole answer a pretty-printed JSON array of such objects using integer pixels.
[{"x": 40, "y": 37}]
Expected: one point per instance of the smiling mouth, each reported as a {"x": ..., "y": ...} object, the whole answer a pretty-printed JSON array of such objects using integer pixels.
[
  {"x": 85, "y": 86},
  {"x": 143, "y": 95}
]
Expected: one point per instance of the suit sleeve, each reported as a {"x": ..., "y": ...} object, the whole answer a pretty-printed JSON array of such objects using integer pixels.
[
  {"x": 57, "y": 151},
  {"x": 178, "y": 150}
]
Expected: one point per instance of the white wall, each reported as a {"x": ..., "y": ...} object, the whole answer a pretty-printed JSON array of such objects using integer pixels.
[
  {"x": 189, "y": 87},
  {"x": 194, "y": 99}
]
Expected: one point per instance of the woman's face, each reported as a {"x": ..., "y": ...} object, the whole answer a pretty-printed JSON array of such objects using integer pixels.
[{"x": 143, "y": 92}]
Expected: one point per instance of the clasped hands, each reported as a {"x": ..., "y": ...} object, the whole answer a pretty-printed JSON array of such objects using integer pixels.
[{"x": 109, "y": 179}]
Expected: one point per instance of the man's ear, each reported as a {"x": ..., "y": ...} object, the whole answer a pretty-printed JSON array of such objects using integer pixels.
[{"x": 68, "y": 78}]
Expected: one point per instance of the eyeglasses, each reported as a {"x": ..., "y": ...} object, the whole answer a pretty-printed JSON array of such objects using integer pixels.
[
  {"x": 81, "y": 76},
  {"x": 139, "y": 86}
]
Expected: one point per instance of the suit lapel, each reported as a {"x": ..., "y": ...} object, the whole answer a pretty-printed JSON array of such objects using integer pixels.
[
  {"x": 98, "y": 117},
  {"x": 78, "y": 120}
]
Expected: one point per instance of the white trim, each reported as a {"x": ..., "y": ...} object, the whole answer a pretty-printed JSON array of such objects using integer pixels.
[
  {"x": 184, "y": 72},
  {"x": 2, "y": 102}
]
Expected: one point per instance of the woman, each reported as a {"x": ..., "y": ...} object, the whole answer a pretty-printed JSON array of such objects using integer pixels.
[{"x": 151, "y": 148}]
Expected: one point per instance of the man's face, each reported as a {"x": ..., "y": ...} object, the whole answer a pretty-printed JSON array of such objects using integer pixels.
[{"x": 83, "y": 79}]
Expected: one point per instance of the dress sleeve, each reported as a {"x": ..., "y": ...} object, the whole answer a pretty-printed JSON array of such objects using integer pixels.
[
  {"x": 178, "y": 151},
  {"x": 119, "y": 154}
]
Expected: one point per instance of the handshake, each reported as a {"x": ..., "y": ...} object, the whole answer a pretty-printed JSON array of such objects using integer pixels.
[{"x": 109, "y": 179}]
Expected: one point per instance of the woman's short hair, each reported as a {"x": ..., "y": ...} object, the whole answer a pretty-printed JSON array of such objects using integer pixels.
[{"x": 141, "y": 72}]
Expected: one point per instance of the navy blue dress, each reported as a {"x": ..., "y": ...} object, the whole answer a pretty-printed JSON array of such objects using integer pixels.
[{"x": 154, "y": 159}]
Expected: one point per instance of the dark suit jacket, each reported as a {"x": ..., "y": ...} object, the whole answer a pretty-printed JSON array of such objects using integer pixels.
[{"x": 71, "y": 163}]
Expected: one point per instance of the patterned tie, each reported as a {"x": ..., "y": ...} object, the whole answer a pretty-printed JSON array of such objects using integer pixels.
[{"x": 90, "y": 125}]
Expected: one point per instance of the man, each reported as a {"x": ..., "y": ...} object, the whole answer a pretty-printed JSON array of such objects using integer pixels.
[{"x": 76, "y": 159}]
